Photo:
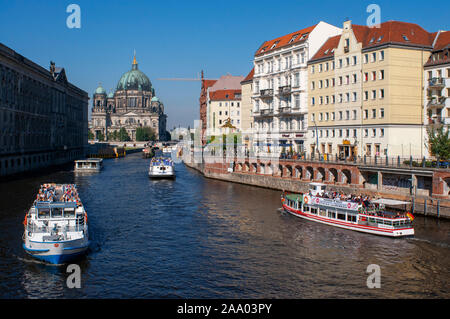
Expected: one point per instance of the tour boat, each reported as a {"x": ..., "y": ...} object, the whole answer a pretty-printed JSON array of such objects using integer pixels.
[
  {"x": 56, "y": 229},
  {"x": 161, "y": 167},
  {"x": 368, "y": 217},
  {"x": 89, "y": 165}
]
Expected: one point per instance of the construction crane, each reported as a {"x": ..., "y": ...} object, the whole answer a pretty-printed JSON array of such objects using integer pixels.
[{"x": 186, "y": 79}]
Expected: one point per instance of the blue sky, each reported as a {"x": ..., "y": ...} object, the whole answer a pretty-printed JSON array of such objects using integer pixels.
[{"x": 177, "y": 38}]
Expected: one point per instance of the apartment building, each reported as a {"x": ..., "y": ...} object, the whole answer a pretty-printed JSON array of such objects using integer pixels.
[
  {"x": 437, "y": 82},
  {"x": 225, "y": 111},
  {"x": 376, "y": 96},
  {"x": 247, "y": 125},
  {"x": 280, "y": 102}
]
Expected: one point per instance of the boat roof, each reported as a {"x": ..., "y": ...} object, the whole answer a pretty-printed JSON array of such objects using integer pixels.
[
  {"x": 90, "y": 160},
  {"x": 317, "y": 184},
  {"x": 294, "y": 197},
  {"x": 390, "y": 202},
  {"x": 42, "y": 205}
]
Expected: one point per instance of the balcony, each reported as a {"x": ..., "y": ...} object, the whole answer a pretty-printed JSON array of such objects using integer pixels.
[
  {"x": 267, "y": 93},
  {"x": 284, "y": 90},
  {"x": 263, "y": 113},
  {"x": 438, "y": 120},
  {"x": 285, "y": 110},
  {"x": 437, "y": 101},
  {"x": 436, "y": 82}
]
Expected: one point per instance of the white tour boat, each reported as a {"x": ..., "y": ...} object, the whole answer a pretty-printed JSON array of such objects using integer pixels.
[
  {"x": 161, "y": 167},
  {"x": 56, "y": 229},
  {"x": 89, "y": 165},
  {"x": 368, "y": 217}
]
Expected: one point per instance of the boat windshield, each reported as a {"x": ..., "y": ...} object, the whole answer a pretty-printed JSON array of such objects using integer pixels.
[
  {"x": 44, "y": 213},
  {"x": 57, "y": 213}
]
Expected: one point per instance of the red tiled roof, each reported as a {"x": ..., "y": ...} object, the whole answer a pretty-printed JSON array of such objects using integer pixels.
[
  {"x": 389, "y": 32},
  {"x": 398, "y": 32},
  {"x": 284, "y": 40},
  {"x": 208, "y": 83},
  {"x": 443, "y": 41},
  {"x": 249, "y": 77},
  {"x": 327, "y": 48},
  {"x": 223, "y": 95}
]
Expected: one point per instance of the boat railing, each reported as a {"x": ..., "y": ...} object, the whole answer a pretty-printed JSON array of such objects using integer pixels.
[{"x": 46, "y": 230}]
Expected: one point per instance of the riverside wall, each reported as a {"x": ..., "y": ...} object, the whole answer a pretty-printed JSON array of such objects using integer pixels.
[{"x": 423, "y": 205}]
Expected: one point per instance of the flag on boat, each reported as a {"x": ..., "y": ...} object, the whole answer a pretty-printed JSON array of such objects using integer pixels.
[{"x": 410, "y": 216}]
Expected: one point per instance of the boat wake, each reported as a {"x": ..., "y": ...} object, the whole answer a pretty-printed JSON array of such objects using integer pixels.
[
  {"x": 435, "y": 243},
  {"x": 36, "y": 261}
]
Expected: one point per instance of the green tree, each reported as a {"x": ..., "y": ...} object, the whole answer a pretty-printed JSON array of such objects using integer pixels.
[
  {"x": 90, "y": 135},
  {"x": 144, "y": 134},
  {"x": 439, "y": 142},
  {"x": 123, "y": 135},
  {"x": 101, "y": 137}
]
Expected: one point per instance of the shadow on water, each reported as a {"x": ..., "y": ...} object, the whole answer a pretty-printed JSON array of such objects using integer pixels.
[{"x": 199, "y": 238}]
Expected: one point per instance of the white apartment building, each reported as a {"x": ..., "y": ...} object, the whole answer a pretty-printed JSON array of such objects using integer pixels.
[
  {"x": 437, "y": 83},
  {"x": 280, "y": 101}
]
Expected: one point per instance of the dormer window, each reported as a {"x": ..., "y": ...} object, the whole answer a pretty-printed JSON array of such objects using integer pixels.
[
  {"x": 326, "y": 52},
  {"x": 380, "y": 38},
  {"x": 293, "y": 38},
  {"x": 371, "y": 40},
  {"x": 304, "y": 36},
  {"x": 274, "y": 45},
  {"x": 405, "y": 37}
]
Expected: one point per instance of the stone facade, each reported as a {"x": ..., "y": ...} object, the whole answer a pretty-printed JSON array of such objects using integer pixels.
[
  {"x": 132, "y": 105},
  {"x": 43, "y": 117}
]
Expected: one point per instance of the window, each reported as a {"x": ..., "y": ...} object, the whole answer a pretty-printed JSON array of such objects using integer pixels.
[
  {"x": 381, "y": 93},
  {"x": 320, "y": 67},
  {"x": 340, "y": 115},
  {"x": 355, "y": 78},
  {"x": 374, "y": 75},
  {"x": 366, "y": 114},
  {"x": 405, "y": 37},
  {"x": 355, "y": 133},
  {"x": 347, "y": 115},
  {"x": 354, "y": 114},
  {"x": 374, "y": 132},
  {"x": 374, "y": 113},
  {"x": 366, "y": 133},
  {"x": 340, "y": 63},
  {"x": 366, "y": 95},
  {"x": 312, "y": 69},
  {"x": 366, "y": 58},
  {"x": 355, "y": 96},
  {"x": 382, "y": 132},
  {"x": 381, "y": 113},
  {"x": 355, "y": 60},
  {"x": 313, "y": 85},
  {"x": 313, "y": 101},
  {"x": 374, "y": 94},
  {"x": 382, "y": 75},
  {"x": 366, "y": 77},
  {"x": 374, "y": 57}
]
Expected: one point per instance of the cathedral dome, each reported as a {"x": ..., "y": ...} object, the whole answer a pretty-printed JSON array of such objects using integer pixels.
[
  {"x": 100, "y": 90},
  {"x": 155, "y": 99},
  {"x": 134, "y": 80}
]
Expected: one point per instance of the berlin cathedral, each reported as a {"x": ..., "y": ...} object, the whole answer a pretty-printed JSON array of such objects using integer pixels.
[{"x": 133, "y": 105}]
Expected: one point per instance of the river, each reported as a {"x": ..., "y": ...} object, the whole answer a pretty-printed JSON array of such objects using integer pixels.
[{"x": 199, "y": 238}]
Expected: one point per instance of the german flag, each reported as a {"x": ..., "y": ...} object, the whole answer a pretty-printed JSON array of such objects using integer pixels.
[{"x": 410, "y": 216}]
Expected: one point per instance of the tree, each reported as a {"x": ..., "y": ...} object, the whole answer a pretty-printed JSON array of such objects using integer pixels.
[
  {"x": 100, "y": 137},
  {"x": 90, "y": 135},
  {"x": 123, "y": 135},
  {"x": 439, "y": 142},
  {"x": 144, "y": 134}
]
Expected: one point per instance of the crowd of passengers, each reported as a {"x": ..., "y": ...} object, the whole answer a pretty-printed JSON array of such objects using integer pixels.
[
  {"x": 360, "y": 199},
  {"x": 58, "y": 193}
]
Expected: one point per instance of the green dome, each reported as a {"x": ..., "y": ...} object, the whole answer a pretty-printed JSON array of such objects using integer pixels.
[
  {"x": 100, "y": 90},
  {"x": 111, "y": 95},
  {"x": 155, "y": 99},
  {"x": 134, "y": 80}
]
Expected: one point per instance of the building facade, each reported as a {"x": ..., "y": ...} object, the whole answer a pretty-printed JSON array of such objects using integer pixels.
[
  {"x": 437, "y": 83},
  {"x": 204, "y": 101},
  {"x": 43, "y": 117},
  {"x": 280, "y": 102},
  {"x": 224, "y": 108},
  {"x": 374, "y": 106},
  {"x": 133, "y": 105}
]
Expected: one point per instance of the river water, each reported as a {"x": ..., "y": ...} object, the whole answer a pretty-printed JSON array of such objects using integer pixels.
[{"x": 200, "y": 238}]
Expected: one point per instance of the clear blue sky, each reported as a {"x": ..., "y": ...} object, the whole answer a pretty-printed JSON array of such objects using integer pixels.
[{"x": 175, "y": 38}]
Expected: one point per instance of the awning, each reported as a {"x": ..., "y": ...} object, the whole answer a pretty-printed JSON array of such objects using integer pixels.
[{"x": 390, "y": 202}]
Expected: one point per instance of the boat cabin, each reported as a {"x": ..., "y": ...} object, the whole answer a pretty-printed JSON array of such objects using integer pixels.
[
  {"x": 93, "y": 164},
  {"x": 316, "y": 189}
]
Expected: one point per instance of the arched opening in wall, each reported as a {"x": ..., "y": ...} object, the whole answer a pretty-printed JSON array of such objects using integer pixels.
[
  {"x": 309, "y": 173},
  {"x": 254, "y": 168},
  {"x": 269, "y": 169},
  {"x": 246, "y": 167},
  {"x": 321, "y": 174},
  {"x": 262, "y": 168},
  {"x": 239, "y": 167},
  {"x": 346, "y": 177},
  {"x": 289, "y": 171},
  {"x": 333, "y": 177},
  {"x": 280, "y": 170},
  {"x": 447, "y": 186},
  {"x": 298, "y": 172}
]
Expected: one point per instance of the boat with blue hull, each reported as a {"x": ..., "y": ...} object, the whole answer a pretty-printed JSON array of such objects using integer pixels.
[{"x": 56, "y": 226}]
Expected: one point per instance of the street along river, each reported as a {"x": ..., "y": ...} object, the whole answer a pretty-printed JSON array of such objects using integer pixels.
[{"x": 200, "y": 238}]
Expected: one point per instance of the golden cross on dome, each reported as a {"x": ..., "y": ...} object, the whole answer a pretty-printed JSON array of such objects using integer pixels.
[{"x": 134, "y": 58}]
